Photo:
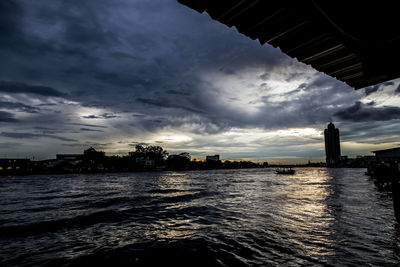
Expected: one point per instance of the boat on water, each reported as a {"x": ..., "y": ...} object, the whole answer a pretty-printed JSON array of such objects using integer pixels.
[{"x": 285, "y": 171}]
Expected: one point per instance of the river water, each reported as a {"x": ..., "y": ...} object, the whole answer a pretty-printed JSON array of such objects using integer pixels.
[{"x": 248, "y": 217}]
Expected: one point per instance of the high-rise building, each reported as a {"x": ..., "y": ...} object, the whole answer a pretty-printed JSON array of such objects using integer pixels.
[{"x": 332, "y": 145}]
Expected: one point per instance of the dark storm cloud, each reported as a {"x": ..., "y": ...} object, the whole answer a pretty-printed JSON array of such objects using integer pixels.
[
  {"x": 227, "y": 71},
  {"x": 397, "y": 89},
  {"x": 34, "y": 136},
  {"x": 204, "y": 109},
  {"x": 264, "y": 76},
  {"x": 360, "y": 112},
  {"x": 91, "y": 117},
  {"x": 47, "y": 104},
  {"x": 88, "y": 125},
  {"x": 375, "y": 132},
  {"x": 101, "y": 116},
  {"x": 7, "y": 117},
  {"x": 88, "y": 144},
  {"x": 21, "y": 88},
  {"x": 108, "y": 77},
  {"x": 294, "y": 76},
  {"x": 157, "y": 63},
  {"x": 18, "y": 106},
  {"x": 179, "y": 93},
  {"x": 149, "y": 61},
  {"x": 90, "y": 130},
  {"x": 84, "y": 26},
  {"x": 146, "y": 61},
  {"x": 46, "y": 130},
  {"x": 167, "y": 103},
  {"x": 372, "y": 89},
  {"x": 306, "y": 106},
  {"x": 147, "y": 50},
  {"x": 10, "y": 13}
]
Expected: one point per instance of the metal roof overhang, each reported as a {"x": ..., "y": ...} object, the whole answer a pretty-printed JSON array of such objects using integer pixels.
[{"x": 357, "y": 42}]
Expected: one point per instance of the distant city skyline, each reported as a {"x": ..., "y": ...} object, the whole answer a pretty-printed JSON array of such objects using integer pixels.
[{"x": 75, "y": 75}]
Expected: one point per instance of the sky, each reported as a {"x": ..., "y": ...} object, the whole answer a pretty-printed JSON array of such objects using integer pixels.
[{"x": 76, "y": 74}]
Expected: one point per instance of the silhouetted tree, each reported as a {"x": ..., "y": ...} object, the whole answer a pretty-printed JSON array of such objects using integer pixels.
[
  {"x": 156, "y": 153},
  {"x": 179, "y": 162},
  {"x": 92, "y": 154}
]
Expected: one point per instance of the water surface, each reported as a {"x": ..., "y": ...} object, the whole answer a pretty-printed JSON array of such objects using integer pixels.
[{"x": 216, "y": 218}]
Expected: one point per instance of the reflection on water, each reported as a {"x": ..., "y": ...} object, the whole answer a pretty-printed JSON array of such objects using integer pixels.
[
  {"x": 306, "y": 213},
  {"x": 216, "y": 218},
  {"x": 172, "y": 185}
]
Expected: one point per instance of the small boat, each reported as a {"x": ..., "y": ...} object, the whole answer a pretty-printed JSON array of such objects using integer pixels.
[{"x": 285, "y": 171}]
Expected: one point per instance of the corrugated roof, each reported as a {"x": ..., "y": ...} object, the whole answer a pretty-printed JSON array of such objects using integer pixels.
[{"x": 356, "y": 44}]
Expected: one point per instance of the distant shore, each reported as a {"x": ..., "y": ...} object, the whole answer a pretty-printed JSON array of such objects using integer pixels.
[{"x": 274, "y": 166}]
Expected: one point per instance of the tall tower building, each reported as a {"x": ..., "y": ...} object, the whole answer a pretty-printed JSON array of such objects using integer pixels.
[{"x": 332, "y": 145}]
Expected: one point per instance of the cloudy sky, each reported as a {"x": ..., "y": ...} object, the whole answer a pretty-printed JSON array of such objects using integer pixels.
[{"x": 75, "y": 74}]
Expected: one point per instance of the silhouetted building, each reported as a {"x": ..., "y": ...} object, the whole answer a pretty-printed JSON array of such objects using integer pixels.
[
  {"x": 213, "y": 162},
  {"x": 14, "y": 166},
  {"x": 392, "y": 154},
  {"x": 212, "y": 158},
  {"x": 93, "y": 154},
  {"x": 332, "y": 145}
]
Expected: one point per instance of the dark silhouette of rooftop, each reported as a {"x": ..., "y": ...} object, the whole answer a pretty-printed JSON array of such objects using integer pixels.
[{"x": 355, "y": 43}]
